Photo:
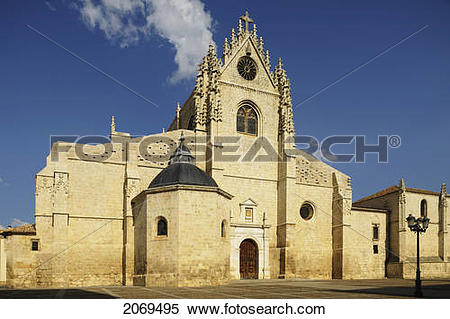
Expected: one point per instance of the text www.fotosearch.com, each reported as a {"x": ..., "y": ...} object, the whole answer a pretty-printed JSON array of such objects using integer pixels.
[
  {"x": 224, "y": 309},
  {"x": 237, "y": 309}
]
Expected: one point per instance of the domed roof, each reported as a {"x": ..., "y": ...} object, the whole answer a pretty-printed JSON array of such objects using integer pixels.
[
  {"x": 182, "y": 170},
  {"x": 182, "y": 174}
]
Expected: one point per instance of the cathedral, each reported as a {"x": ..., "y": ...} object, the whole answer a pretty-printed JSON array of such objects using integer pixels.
[{"x": 222, "y": 195}]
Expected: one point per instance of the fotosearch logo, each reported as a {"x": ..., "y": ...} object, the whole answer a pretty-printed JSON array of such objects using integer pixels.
[
  {"x": 158, "y": 149},
  {"x": 360, "y": 147}
]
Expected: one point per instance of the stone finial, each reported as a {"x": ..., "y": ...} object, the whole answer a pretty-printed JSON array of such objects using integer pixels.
[
  {"x": 212, "y": 61},
  {"x": 226, "y": 47},
  {"x": 261, "y": 46},
  {"x": 247, "y": 20},
  {"x": 178, "y": 115},
  {"x": 233, "y": 37},
  {"x": 402, "y": 192},
  {"x": 443, "y": 202},
  {"x": 211, "y": 47},
  {"x": 402, "y": 185},
  {"x": 267, "y": 59},
  {"x": 443, "y": 192},
  {"x": 254, "y": 33},
  {"x": 182, "y": 154},
  {"x": 113, "y": 125},
  {"x": 225, "y": 51},
  {"x": 240, "y": 30}
]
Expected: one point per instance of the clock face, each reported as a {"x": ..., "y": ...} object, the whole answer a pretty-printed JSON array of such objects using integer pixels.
[{"x": 247, "y": 68}]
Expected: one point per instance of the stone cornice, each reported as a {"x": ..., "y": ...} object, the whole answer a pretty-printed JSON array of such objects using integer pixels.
[
  {"x": 243, "y": 225},
  {"x": 174, "y": 188}
]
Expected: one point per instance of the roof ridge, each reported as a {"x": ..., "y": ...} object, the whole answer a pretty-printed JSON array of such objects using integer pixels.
[
  {"x": 392, "y": 189},
  {"x": 383, "y": 192}
]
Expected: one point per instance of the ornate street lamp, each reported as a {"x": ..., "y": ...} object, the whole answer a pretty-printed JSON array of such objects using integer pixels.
[{"x": 418, "y": 225}]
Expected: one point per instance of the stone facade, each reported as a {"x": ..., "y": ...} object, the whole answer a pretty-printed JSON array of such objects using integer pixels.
[
  {"x": 400, "y": 201},
  {"x": 95, "y": 216}
]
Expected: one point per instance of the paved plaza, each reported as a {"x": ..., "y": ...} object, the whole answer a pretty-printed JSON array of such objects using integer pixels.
[{"x": 273, "y": 289}]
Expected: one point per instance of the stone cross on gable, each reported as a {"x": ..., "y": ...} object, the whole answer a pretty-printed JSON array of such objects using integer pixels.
[{"x": 246, "y": 20}]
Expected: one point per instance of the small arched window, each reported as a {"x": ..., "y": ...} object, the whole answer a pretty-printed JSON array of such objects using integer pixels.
[
  {"x": 247, "y": 120},
  {"x": 423, "y": 208},
  {"x": 223, "y": 229},
  {"x": 161, "y": 228}
]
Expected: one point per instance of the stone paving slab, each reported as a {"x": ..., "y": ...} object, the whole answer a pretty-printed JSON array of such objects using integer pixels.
[{"x": 258, "y": 289}]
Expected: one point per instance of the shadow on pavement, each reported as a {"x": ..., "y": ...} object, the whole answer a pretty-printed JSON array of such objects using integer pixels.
[
  {"x": 429, "y": 291},
  {"x": 51, "y": 294}
]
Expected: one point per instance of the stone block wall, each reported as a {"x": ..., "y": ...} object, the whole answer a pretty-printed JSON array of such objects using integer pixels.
[
  {"x": 360, "y": 259},
  {"x": 20, "y": 261},
  {"x": 193, "y": 253}
]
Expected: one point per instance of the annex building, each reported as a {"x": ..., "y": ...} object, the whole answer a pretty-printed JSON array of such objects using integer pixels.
[{"x": 178, "y": 208}]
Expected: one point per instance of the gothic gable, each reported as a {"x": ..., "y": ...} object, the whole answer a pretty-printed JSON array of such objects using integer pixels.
[{"x": 247, "y": 46}]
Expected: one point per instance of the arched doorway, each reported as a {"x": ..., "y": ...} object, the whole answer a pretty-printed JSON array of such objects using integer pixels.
[{"x": 248, "y": 251}]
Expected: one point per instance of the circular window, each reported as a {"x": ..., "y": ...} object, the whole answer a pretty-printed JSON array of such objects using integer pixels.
[
  {"x": 247, "y": 68},
  {"x": 306, "y": 211}
]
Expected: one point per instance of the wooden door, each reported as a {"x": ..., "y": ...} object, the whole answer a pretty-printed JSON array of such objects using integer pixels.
[{"x": 248, "y": 259}]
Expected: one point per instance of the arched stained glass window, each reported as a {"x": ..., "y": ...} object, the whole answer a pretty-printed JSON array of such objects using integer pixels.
[{"x": 247, "y": 120}]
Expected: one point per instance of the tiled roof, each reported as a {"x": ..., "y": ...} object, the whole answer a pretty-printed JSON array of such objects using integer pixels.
[
  {"x": 393, "y": 189},
  {"x": 386, "y": 191},
  {"x": 422, "y": 191},
  {"x": 28, "y": 229}
]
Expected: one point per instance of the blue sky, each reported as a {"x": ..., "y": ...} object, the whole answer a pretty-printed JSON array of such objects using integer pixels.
[{"x": 406, "y": 92}]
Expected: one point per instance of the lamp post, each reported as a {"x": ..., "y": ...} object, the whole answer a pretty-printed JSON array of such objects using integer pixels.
[{"x": 418, "y": 225}]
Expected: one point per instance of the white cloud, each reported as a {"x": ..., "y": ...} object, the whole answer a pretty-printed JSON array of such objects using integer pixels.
[
  {"x": 1, "y": 180},
  {"x": 183, "y": 23},
  {"x": 17, "y": 222}
]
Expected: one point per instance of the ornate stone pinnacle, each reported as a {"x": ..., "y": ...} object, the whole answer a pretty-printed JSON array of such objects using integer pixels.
[
  {"x": 178, "y": 115},
  {"x": 443, "y": 202},
  {"x": 113, "y": 125},
  {"x": 267, "y": 60},
  {"x": 240, "y": 30},
  {"x": 226, "y": 46},
  {"x": 254, "y": 32},
  {"x": 211, "y": 47},
  {"x": 261, "y": 45},
  {"x": 402, "y": 184}
]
